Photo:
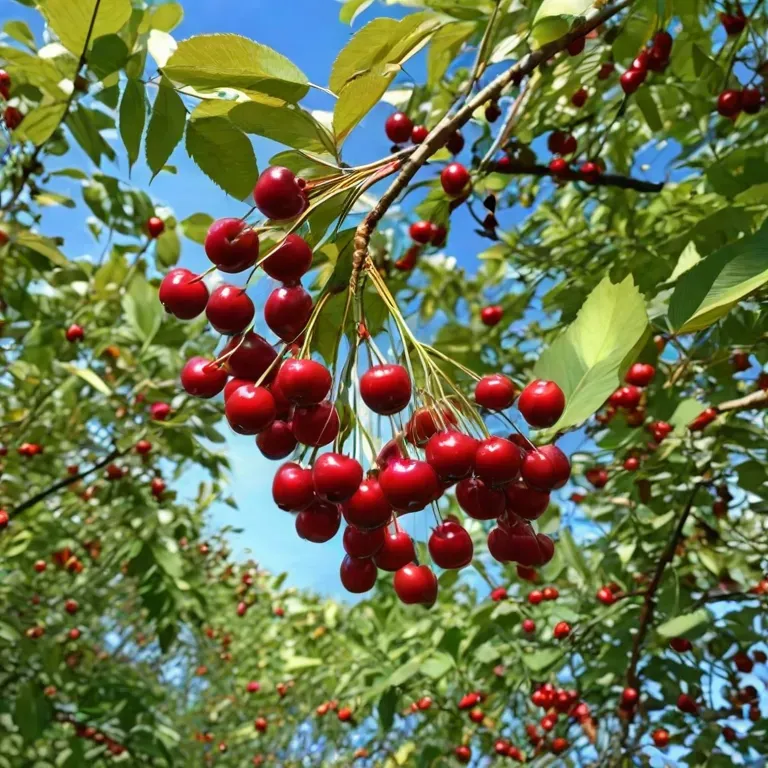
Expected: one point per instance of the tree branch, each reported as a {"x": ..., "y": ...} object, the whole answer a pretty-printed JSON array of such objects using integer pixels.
[{"x": 757, "y": 399}]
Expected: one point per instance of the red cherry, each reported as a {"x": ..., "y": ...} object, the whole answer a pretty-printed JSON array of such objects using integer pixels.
[
  {"x": 479, "y": 500},
  {"x": 426, "y": 422},
  {"x": 250, "y": 409},
  {"x": 360, "y": 543},
  {"x": 287, "y": 311},
  {"x": 641, "y": 61},
  {"x": 409, "y": 484},
  {"x": 422, "y": 232},
  {"x": 157, "y": 487},
  {"x": 469, "y": 700},
  {"x": 631, "y": 463},
  {"x": 546, "y": 468},
  {"x": 408, "y": 260},
  {"x": 71, "y": 607},
  {"x": 419, "y": 133},
  {"x": 450, "y": 546},
  {"x": 476, "y": 715},
  {"x": 499, "y": 594},
  {"x": 555, "y": 142},
  {"x": 627, "y": 397},
  {"x": 606, "y": 70},
  {"x": 686, "y": 704},
  {"x": 740, "y": 361},
  {"x": 142, "y": 447},
  {"x": 559, "y": 167},
  {"x": 662, "y": 42},
  {"x": 260, "y": 724},
  {"x": 357, "y": 575},
  {"x": 283, "y": 405},
  {"x": 729, "y": 103},
  {"x": 276, "y": 441},
  {"x": 251, "y": 358},
  {"x": 13, "y": 118},
  {"x": 463, "y": 753},
  {"x": 386, "y": 389},
  {"x": 292, "y": 487},
  {"x": 541, "y": 403},
  {"x": 680, "y": 644},
  {"x": 590, "y": 171},
  {"x": 562, "y": 630},
  {"x": 5, "y": 84},
  {"x": 707, "y": 416},
  {"x": 546, "y": 549},
  {"x": 344, "y": 714},
  {"x": 74, "y": 333},
  {"x": 232, "y": 385},
  {"x": 526, "y": 502},
  {"x": 253, "y": 687},
  {"x": 40, "y": 566},
  {"x": 495, "y": 392},
  {"x": 451, "y": 454},
  {"x": 289, "y": 261},
  {"x": 605, "y": 596},
  {"x": 597, "y": 477},
  {"x": 491, "y": 316},
  {"x": 733, "y": 23},
  {"x": 316, "y": 425},
  {"x": 455, "y": 179},
  {"x": 182, "y": 297},
  {"x": 232, "y": 245},
  {"x": 751, "y": 100},
  {"x": 492, "y": 112},
  {"x": 201, "y": 377},
  {"x": 304, "y": 382},
  {"x": 155, "y": 227},
  {"x": 579, "y": 99},
  {"x": 368, "y": 507},
  {"x": 229, "y": 310},
  {"x": 660, "y": 738},
  {"x": 631, "y": 80},
  {"x": 575, "y": 47},
  {"x": 529, "y": 626},
  {"x": 559, "y": 745},
  {"x": 278, "y": 194},
  {"x": 396, "y": 552},
  {"x": 398, "y": 128},
  {"x": 319, "y": 522},
  {"x": 336, "y": 477},
  {"x": 640, "y": 374},
  {"x": 439, "y": 235},
  {"x": 497, "y": 461},
  {"x": 74, "y": 634},
  {"x": 416, "y": 584},
  {"x": 629, "y": 698},
  {"x": 455, "y": 143}
]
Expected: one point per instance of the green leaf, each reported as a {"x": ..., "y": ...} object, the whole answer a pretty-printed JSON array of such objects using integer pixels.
[
  {"x": 220, "y": 61},
  {"x": 41, "y": 245},
  {"x": 89, "y": 377},
  {"x": 20, "y": 32},
  {"x": 133, "y": 115},
  {"x": 71, "y": 20},
  {"x": 82, "y": 123},
  {"x": 685, "y": 412},
  {"x": 367, "y": 48},
  {"x": 437, "y": 665},
  {"x": 708, "y": 290},
  {"x": 680, "y": 625},
  {"x": 167, "y": 249},
  {"x": 166, "y": 17},
  {"x": 40, "y": 124},
  {"x": 554, "y": 17},
  {"x": 572, "y": 554},
  {"x": 444, "y": 47},
  {"x": 166, "y": 127},
  {"x": 109, "y": 55},
  {"x": 588, "y": 360},
  {"x": 33, "y": 712},
  {"x": 352, "y": 9},
  {"x": 287, "y": 124},
  {"x": 540, "y": 660},
  {"x": 357, "y": 98},
  {"x": 688, "y": 258},
  {"x": 196, "y": 226},
  {"x": 387, "y": 707},
  {"x": 142, "y": 309},
  {"x": 296, "y": 663},
  {"x": 645, "y": 101},
  {"x": 224, "y": 153}
]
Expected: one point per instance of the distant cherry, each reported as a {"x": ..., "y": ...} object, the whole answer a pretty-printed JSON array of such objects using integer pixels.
[
  {"x": 640, "y": 374},
  {"x": 155, "y": 227},
  {"x": 491, "y": 316},
  {"x": 75, "y": 333},
  {"x": 422, "y": 232}
]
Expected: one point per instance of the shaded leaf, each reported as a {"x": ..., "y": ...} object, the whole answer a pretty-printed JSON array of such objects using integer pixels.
[
  {"x": 166, "y": 127},
  {"x": 133, "y": 115}
]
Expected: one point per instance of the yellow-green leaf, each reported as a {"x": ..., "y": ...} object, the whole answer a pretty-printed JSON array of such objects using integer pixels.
[
  {"x": 71, "y": 20},
  {"x": 444, "y": 47},
  {"x": 89, "y": 377},
  {"x": 166, "y": 127},
  {"x": 357, "y": 98},
  {"x": 40, "y": 123}
]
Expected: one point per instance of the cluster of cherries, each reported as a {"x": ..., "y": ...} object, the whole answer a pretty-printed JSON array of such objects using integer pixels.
[
  {"x": 12, "y": 116},
  {"x": 400, "y": 130},
  {"x": 654, "y": 58},
  {"x": 90, "y": 733},
  {"x": 562, "y": 144}
]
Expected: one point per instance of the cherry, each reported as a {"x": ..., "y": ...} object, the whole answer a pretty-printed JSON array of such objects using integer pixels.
[
  {"x": 455, "y": 179},
  {"x": 409, "y": 484},
  {"x": 344, "y": 714},
  {"x": 157, "y": 487},
  {"x": 319, "y": 522},
  {"x": 680, "y": 644},
  {"x": 182, "y": 295},
  {"x": 463, "y": 753},
  {"x": 659, "y": 430},
  {"x": 605, "y": 596},
  {"x": 597, "y": 477},
  {"x": 476, "y": 715},
  {"x": 497, "y": 461},
  {"x": 579, "y": 99},
  {"x": 562, "y": 629},
  {"x": 706, "y": 417},
  {"x": 276, "y": 441},
  {"x": 250, "y": 409},
  {"x": 427, "y": 422},
  {"x": 629, "y": 698},
  {"x": 283, "y": 405},
  {"x": 556, "y": 142},
  {"x": 529, "y": 626},
  {"x": 422, "y": 232},
  {"x": 450, "y": 546},
  {"x": 253, "y": 687},
  {"x": 491, "y": 316},
  {"x": 368, "y": 507},
  {"x": 74, "y": 333},
  {"x": 229, "y": 310},
  {"x": 304, "y": 382},
  {"x": 546, "y": 549},
  {"x": 575, "y": 47},
  {"x": 398, "y": 128},
  {"x": 292, "y": 487},
  {"x": 287, "y": 311},
  {"x": 396, "y": 552},
  {"x": 336, "y": 477},
  {"x": 751, "y": 100},
  {"x": 416, "y": 584},
  {"x": 740, "y": 361},
  {"x": 278, "y": 194},
  {"x": 686, "y": 704},
  {"x": 526, "y": 502},
  {"x": 517, "y": 541},
  {"x": 590, "y": 171},
  {"x": 742, "y": 662},
  {"x": 495, "y": 392},
  {"x": 627, "y": 397},
  {"x": 155, "y": 227},
  {"x": 606, "y": 70},
  {"x": 5, "y": 84},
  {"x": 559, "y": 167},
  {"x": 386, "y": 389},
  {"x": 289, "y": 261},
  {"x": 640, "y": 374},
  {"x": 361, "y": 543},
  {"x": 631, "y": 80},
  {"x": 469, "y": 700},
  {"x": 408, "y": 260},
  {"x": 316, "y": 425},
  {"x": 40, "y": 566},
  {"x": 71, "y": 606},
  {"x": 13, "y": 118},
  {"x": 260, "y": 724},
  {"x": 498, "y": 594},
  {"x": 480, "y": 501},
  {"x": 657, "y": 60},
  {"x": 250, "y": 358},
  {"x": 74, "y": 634},
  {"x": 451, "y": 454},
  {"x": 357, "y": 575},
  {"x": 631, "y": 463},
  {"x": 546, "y": 468},
  {"x": 729, "y": 103},
  {"x": 232, "y": 245},
  {"x": 419, "y": 133},
  {"x": 541, "y": 403},
  {"x": 201, "y": 377},
  {"x": 142, "y": 447},
  {"x": 232, "y": 385},
  {"x": 733, "y": 23}
]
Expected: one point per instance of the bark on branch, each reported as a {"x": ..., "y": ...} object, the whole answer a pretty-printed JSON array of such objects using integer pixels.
[{"x": 758, "y": 399}]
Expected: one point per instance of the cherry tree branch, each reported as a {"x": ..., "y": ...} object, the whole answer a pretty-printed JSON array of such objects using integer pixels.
[
  {"x": 443, "y": 130},
  {"x": 756, "y": 399}
]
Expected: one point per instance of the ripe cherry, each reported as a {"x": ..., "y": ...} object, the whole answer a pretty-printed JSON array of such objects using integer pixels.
[
  {"x": 157, "y": 487},
  {"x": 289, "y": 261},
  {"x": 562, "y": 630},
  {"x": 606, "y": 70},
  {"x": 253, "y": 687},
  {"x": 260, "y": 724},
  {"x": 304, "y": 382},
  {"x": 455, "y": 143},
  {"x": 751, "y": 100},
  {"x": 229, "y": 310},
  {"x": 250, "y": 409},
  {"x": 529, "y": 626},
  {"x": 409, "y": 484},
  {"x": 455, "y": 179},
  {"x": 729, "y": 103},
  {"x": 278, "y": 194},
  {"x": 142, "y": 447},
  {"x": 476, "y": 715},
  {"x": 640, "y": 374},
  {"x": 250, "y": 358},
  {"x": 706, "y": 417},
  {"x": 498, "y": 594},
  {"x": 357, "y": 575},
  {"x": 422, "y": 232},
  {"x": 5, "y": 84},
  {"x": 631, "y": 463},
  {"x": 74, "y": 333},
  {"x": 686, "y": 704},
  {"x": 361, "y": 543},
  {"x": 74, "y": 634},
  {"x": 526, "y": 502},
  {"x": 71, "y": 607},
  {"x": 396, "y": 552},
  {"x": 276, "y": 441},
  {"x": 336, "y": 477},
  {"x": 632, "y": 79},
  {"x": 13, "y": 118},
  {"x": 232, "y": 245},
  {"x": 733, "y": 23},
  {"x": 605, "y": 596},
  {"x": 463, "y": 753},
  {"x": 495, "y": 392},
  {"x": 497, "y": 461},
  {"x": 680, "y": 644},
  {"x": 590, "y": 171},
  {"x": 660, "y": 738},
  {"x": 627, "y": 397},
  {"x": 181, "y": 296},
  {"x": 469, "y": 700},
  {"x": 287, "y": 311},
  {"x": 541, "y": 403},
  {"x": 480, "y": 501},
  {"x": 416, "y": 584},
  {"x": 451, "y": 454},
  {"x": 201, "y": 377},
  {"x": 550, "y": 593},
  {"x": 292, "y": 487},
  {"x": 740, "y": 361},
  {"x": 559, "y": 167},
  {"x": 450, "y": 546},
  {"x": 316, "y": 425},
  {"x": 40, "y": 566},
  {"x": 419, "y": 133},
  {"x": 319, "y": 522},
  {"x": 398, "y": 128},
  {"x": 386, "y": 389},
  {"x": 426, "y": 422},
  {"x": 155, "y": 227},
  {"x": 629, "y": 698},
  {"x": 575, "y": 47},
  {"x": 368, "y": 507},
  {"x": 579, "y": 98},
  {"x": 344, "y": 714},
  {"x": 491, "y": 316}
]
